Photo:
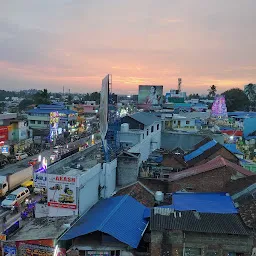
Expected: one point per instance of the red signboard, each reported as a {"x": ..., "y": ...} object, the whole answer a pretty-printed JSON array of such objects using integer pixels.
[
  {"x": 3, "y": 133},
  {"x": 59, "y": 205},
  {"x": 233, "y": 133}
]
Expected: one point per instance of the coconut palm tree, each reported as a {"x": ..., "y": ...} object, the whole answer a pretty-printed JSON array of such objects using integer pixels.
[{"x": 212, "y": 91}]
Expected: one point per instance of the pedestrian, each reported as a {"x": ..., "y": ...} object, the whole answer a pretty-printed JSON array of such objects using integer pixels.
[{"x": 16, "y": 207}]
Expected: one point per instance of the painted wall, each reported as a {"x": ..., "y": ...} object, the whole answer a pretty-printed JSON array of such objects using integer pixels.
[{"x": 89, "y": 188}]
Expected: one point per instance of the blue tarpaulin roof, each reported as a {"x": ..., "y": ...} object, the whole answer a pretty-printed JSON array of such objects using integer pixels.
[
  {"x": 200, "y": 202},
  {"x": 200, "y": 150},
  {"x": 121, "y": 217},
  {"x": 203, "y": 202},
  {"x": 232, "y": 148}
]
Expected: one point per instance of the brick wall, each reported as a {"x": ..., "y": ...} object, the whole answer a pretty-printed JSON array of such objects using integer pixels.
[
  {"x": 211, "y": 181},
  {"x": 156, "y": 184},
  {"x": 170, "y": 161}
]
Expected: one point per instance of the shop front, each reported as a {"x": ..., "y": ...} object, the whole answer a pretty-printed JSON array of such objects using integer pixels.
[{"x": 43, "y": 247}]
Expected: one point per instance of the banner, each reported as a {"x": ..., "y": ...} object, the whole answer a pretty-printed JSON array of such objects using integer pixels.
[
  {"x": 40, "y": 179},
  {"x": 61, "y": 191},
  {"x": 151, "y": 95}
]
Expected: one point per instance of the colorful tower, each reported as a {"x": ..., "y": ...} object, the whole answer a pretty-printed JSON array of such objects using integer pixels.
[{"x": 219, "y": 108}]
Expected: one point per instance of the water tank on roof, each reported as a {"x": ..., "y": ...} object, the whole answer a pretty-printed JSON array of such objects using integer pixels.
[
  {"x": 159, "y": 196},
  {"x": 125, "y": 127}
]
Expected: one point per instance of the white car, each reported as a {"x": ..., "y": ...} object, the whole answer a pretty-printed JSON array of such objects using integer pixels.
[
  {"x": 39, "y": 191},
  {"x": 21, "y": 156},
  {"x": 56, "y": 149},
  {"x": 17, "y": 196}
]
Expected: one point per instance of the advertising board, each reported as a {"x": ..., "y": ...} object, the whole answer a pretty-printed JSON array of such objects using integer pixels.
[
  {"x": 150, "y": 94},
  {"x": 40, "y": 179},
  {"x": 61, "y": 191},
  {"x": 3, "y": 133},
  {"x": 54, "y": 123},
  {"x": 5, "y": 150},
  {"x": 104, "y": 98},
  {"x": 32, "y": 250},
  {"x": 10, "y": 251},
  {"x": 104, "y": 107}
]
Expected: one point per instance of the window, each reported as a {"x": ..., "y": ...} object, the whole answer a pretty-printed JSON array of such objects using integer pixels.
[
  {"x": 115, "y": 253},
  {"x": 32, "y": 121},
  {"x": 152, "y": 128},
  {"x": 192, "y": 251},
  {"x": 18, "y": 196},
  {"x": 46, "y": 122},
  {"x": 157, "y": 127},
  {"x": 187, "y": 122},
  {"x": 143, "y": 136},
  {"x": 174, "y": 122},
  {"x": 147, "y": 132},
  {"x": 39, "y": 122},
  {"x": 212, "y": 253}
]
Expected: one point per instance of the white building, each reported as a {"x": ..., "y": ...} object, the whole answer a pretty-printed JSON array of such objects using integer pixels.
[
  {"x": 75, "y": 184},
  {"x": 141, "y": 133}
]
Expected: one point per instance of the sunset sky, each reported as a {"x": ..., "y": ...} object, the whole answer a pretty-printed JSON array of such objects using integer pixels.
[{"x": 75, "y": 43}]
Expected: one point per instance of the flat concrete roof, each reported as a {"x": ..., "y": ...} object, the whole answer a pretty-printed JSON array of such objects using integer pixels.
[
  {"x": 79, "y": 165},
  {"x": 42, "y": 228}
]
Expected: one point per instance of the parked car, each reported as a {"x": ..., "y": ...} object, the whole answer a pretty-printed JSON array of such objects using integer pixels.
[
  {"x": 21, "y": 156},
  {"x": 56, "y": 149},
  {"x": 41, "y": 191},
  {"x": 33, "y": 162},
  {"x": 17, "y": 196}
]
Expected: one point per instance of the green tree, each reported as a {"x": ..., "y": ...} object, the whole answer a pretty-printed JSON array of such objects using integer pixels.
[
  {"x": 236, "y": 100},
  {"x": 70, "y": 99},
  {"x": 2, "y": 106},
  {"x": 212, "y": 91},
  {"x": 250, "y": 91},
  {"x": 42, "y": 97},
  {"x": 95, "y": 96},
  {"x": 24, "y": 104}
]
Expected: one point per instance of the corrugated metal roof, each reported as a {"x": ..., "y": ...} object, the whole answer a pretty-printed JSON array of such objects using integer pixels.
[
  {"x": 200, "y": 150},
  {"x": 145, "y": 118},
  {"x": 167, "y": 219},
  {"x": 232, "y": 148},
  {"x": 48, "y": 111},
  {"x": 120, "y": 217},
  {"x": 203, "y": 202}
]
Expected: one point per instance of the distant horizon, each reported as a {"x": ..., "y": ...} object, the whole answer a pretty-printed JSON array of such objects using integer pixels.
[
  {"x": 121, "y": 94},
  {"x": 51, "y": 44}
]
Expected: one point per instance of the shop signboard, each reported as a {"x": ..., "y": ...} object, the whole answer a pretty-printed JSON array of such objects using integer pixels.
[
  {"x": 40, "y": 178},
  {"x": 5, "y": 150},
  {"x": 32, "y": 250},
  {"x": 10, "y": 251},
  {"x": 3, "y": 133},
  {"x": 2, "y": 237},
  {"x": 61, "y": 191},
  {"x": 98, "y": 253}
]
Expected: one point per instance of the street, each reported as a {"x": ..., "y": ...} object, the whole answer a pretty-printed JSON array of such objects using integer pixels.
[{"x": 12, "y": 168}]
